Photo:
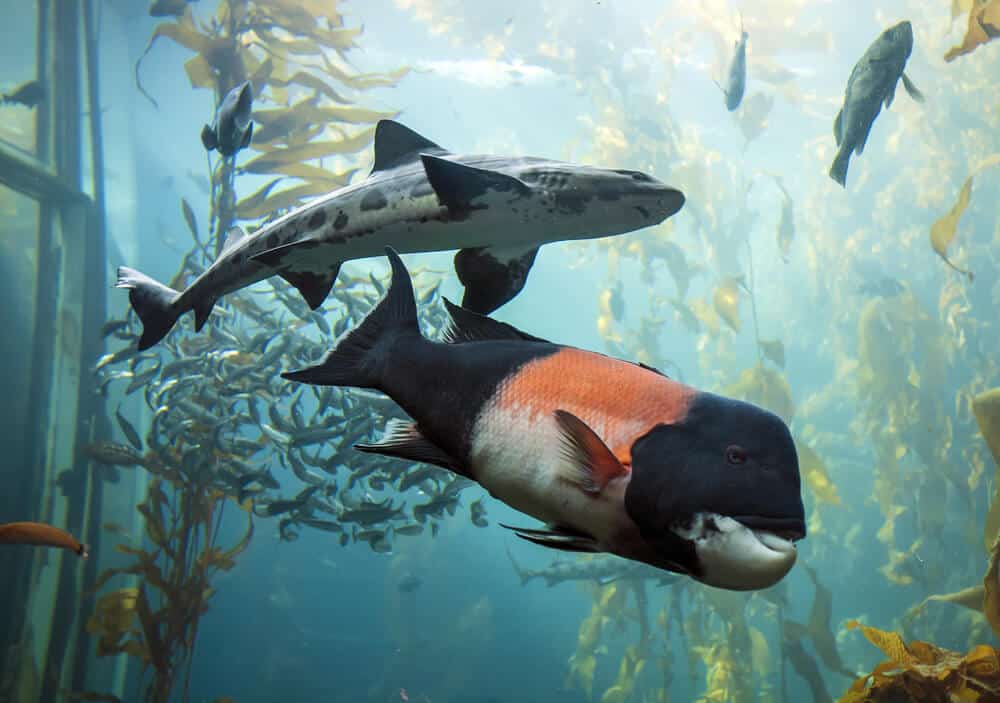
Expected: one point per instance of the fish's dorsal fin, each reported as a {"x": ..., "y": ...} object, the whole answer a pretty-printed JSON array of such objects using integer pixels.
[
  {"x": 396, "y": 144},
  {"x": 233, "y": 237},
  {"x": 469, "y": 326},
  {"x": 591, "y": 463}
]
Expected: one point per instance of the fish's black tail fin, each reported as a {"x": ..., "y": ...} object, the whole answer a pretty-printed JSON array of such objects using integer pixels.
[
  {"x": 838, "y": 171},
  {"x": 152, "y": 301},
  {"x": 359, "y": 356}
]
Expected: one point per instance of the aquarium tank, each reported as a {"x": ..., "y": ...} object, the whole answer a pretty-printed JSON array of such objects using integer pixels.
[{"x": 449, "y": 351}]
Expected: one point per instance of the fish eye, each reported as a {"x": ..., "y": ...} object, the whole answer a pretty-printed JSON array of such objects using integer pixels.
[{"x": 735, "y": 454}]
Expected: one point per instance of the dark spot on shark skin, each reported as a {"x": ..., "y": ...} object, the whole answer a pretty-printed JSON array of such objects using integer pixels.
[
  {"x": 289, "y": 231},
  {"x": 574, "y": 203},
  {"x": 317, "y": 219},
  {"x": 272, "y": 240},
  {"x": 373, "y": 200},
  {"x": 643, "y": 211},
  {"x": 341, "y": 221}
]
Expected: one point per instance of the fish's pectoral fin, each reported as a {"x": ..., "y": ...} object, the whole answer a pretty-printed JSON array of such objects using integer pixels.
[
  {"x": 912, "y": 90},
  {"x": 559, "y": 537},
  {"x": 457, "y": 185},
  {"x": 313, "y": 286},
  {"x": 397, "y": 144},
  {"x": 208, "y": 139},
  {"x": 278, "y": 256},
  {"x": 247, "y": 137},
  {"x": 469, "y": 326},
  {"x": 591, "y": 464},
  {"x": 404, "y": 440},
  {"x": 838, "y": 123},
  {"x": 492, "y": 276}
]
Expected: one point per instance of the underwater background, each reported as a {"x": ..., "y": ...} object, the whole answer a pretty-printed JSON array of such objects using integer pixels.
[{"x": 865, "y": 317}]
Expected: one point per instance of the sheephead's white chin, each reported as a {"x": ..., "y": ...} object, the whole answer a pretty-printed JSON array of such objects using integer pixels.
[{"x": 735, "y": 557}]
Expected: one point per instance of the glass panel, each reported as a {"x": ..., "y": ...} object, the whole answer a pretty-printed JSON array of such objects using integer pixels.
[{"x": 18, "y": 73}]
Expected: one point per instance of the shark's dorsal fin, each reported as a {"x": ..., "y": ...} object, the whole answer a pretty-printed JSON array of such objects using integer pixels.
[{"x": 396, "y": 144}]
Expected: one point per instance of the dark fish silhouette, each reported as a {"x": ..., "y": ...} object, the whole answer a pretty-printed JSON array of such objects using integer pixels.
[
  {"x": 736, "y": 78},
  {"x": 232, "y": 129},
  {"x": 872, "y": 84},
  {"x": 28, "y": 94}
]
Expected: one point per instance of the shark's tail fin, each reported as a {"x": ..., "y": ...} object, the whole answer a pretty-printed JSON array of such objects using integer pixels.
[
  {"x": 360, "y": 355},
  {"x": 838, "y": 171},
  {"x": 152, "y": 301}
]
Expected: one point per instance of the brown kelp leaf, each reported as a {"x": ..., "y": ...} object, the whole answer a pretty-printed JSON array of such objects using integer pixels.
[
  {"x": 199, "y": 72},
  {"x": 307, "y": 152},
  {"x": 279, "y": 201},
  {"x": 816, "y": 476},
  {"x": 991, "y": 586},
  {"x": 805, "y": 666},
  {"x": 890, "y": 643},
  {"x": 820, "y": 633},
  {"x": 984, "y": 25},
  {"x": 986, "y": 408},
  {"x": 726, "y": 301},
  {"x": 971, "y": 598},
  {"x": 253, "y": 202},
  {"x": 774, "y": 350},
  {"x": 260, "y": 77},
  {"x": 184, "y": 32},
  {"x": 189, "y": 218},
  {"x": 943, "y": 231},
  {"x": 960, "y": 7},
  {"x": 313, "y": 82}
]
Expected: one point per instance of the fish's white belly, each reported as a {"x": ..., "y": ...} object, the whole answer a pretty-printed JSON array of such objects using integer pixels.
[{"x": 516, "y": 455}]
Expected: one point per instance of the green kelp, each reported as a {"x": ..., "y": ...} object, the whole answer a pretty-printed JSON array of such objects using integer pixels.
[{"x": 919, "y": 671}]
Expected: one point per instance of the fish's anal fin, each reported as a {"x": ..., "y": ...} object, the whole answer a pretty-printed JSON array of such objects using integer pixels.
[
  {"x": 233, "y": 237},
  {"x": 457, "y": 185},
  {"x": 396, "y": 144},
  {"x": 558, "y": 537},
  {"x": 314, "y": 287},
  {"x": 404, "y": 440},
  {"x": 592, "y": 465},
  {"x": 469, "y": 326},
  {"x": 208, "y": 139},
  {"x": 912, "y": 90},
  {"x": 492, "y": 276}
]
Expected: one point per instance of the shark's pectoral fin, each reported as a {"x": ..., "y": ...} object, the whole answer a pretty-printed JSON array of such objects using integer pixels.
[
  {"x": 559, "y": 537},
  {"x": 457, "y": 185},
  {"x": 201, "y": 312},
  {"x": 404, "y": 440},
  {"x": 313, "y": 286},
  {"x": 208, "y": 139},
  {"x": 912, "y": 90},
  {"x": 492, "y": 276}
]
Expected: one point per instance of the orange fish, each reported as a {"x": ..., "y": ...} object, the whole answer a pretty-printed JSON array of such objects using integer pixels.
[
  {"x": 41, "y": 535},
  {"x": 612, "y": 456}
]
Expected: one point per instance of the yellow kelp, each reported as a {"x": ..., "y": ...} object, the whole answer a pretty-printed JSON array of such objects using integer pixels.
[
  {"x": 943, "y": 230},
  {"x": 984, "y": 25},
  {"x": 922, "y": 672}
]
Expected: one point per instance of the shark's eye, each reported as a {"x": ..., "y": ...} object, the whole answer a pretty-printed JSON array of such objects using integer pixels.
[{"x": 735, "y": 454}]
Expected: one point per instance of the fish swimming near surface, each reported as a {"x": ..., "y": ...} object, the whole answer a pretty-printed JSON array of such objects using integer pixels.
[
  {"x": 232, "y": 128},
  {"x": 612, "y": 456},
  {"x": 872, "y": 83},
  {"x": 41, "y": 535},
  {"x": 736, "y": 76},
  {"x": 419, "y": 197},
  {"x": 28, "y": 94}
]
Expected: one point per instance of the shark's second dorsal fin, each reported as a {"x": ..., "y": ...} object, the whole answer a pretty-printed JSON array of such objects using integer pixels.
[{"x": 396, "y": 144}]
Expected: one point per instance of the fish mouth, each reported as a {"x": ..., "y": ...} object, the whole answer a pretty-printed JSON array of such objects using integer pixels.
[{"x": 784, "y": 529}]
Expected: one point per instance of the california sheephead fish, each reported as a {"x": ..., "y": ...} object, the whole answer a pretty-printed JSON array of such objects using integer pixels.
[
  {"x": 612, "y": 456},
  {"x": 232, "y": 129},
  {"x": 736, "y": 77},
  {"x": 872, "y": 84},
  {"x": 419, "y": 197}
]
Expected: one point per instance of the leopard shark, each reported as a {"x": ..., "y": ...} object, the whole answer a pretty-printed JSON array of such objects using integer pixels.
[{"x": 419, "y": 197}]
